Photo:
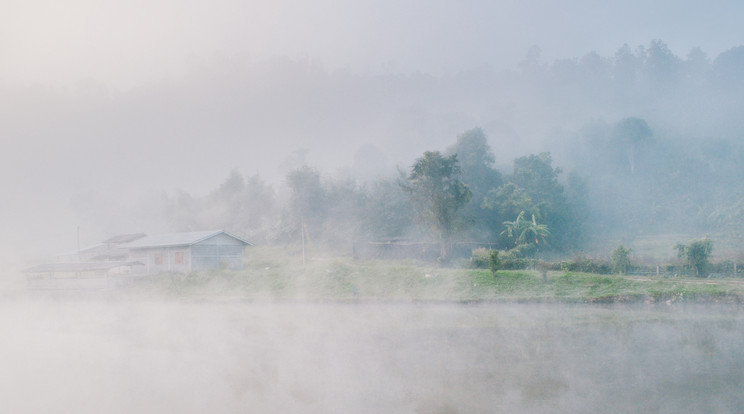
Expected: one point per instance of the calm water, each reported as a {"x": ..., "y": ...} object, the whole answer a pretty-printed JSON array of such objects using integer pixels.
[{"x": 93, "y": 355}]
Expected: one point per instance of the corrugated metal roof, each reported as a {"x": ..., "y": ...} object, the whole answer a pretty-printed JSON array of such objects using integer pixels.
[
  {"x": 97, "y": 249},
  {"x": 124, "y": 238},
  {"x": 178, "y": 239},
  {"x": 78, "y": 267}
]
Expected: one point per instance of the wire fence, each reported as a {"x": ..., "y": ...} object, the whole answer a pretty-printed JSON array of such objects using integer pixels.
[
  {"x": 477, "y": 253},
  {"x": 668, "y": 274}
]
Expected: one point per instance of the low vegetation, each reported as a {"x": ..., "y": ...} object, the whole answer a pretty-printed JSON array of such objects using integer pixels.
[{"x": 280, "y": 274}]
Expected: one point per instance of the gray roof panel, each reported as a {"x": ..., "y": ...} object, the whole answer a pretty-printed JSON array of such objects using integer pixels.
[
  {"x": 124, "y": 238},
  {"x": 178, "y": 239}
]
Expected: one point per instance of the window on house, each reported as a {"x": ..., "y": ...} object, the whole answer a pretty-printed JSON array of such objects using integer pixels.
[
  {"x": 158, "y": 258},
  {"x": 180, "y": 258}
]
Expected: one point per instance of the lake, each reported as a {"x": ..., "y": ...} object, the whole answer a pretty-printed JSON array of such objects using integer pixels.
[{"x": 91, "y": 355}]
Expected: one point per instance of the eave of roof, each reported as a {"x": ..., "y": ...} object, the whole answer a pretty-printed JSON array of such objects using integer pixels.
[{"x": 178, "y": 239}]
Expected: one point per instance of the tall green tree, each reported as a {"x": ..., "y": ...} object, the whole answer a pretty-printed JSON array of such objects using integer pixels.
[
  {"x": 537, "y": 176},
  {"x": 621, "y": 260},
  {"x": 389, "y": 212},
  {"x": 630, "y": 134},
  {"x": 438, "y": 194},
  {"x": 476, "y": 162},
  {"x": 244, "y": 205},
  {"x": 307, "y": 204},
  {"x": 696, "y": 254},
  {"x": 538, "y": 179},
  {"x": 662, "y": 67},
  {"x": 506, "y": 202}
]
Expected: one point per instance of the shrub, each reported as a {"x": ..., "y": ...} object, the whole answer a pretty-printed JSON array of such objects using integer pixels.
[
  {"x": 543, "y": 267},
  {"x": 480, "y": 258},
  {"x": 723, "y": 267},
  {"x": 621, "y": 260},
  {"x": 581, "y": 263},
  {"x": 516, "y": 263},
  {"x": 524, "y": 251},
  {"x": 494, "y": 263}
]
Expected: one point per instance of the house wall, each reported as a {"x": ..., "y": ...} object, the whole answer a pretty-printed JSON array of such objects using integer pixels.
[
  {"x": 218, "y": 252},
  {"x": 162, "y": 259},
  {"x": 221, "y": 251}
]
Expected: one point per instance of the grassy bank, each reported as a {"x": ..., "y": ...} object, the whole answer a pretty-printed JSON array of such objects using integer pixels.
[{"x": 281, "y": 274}]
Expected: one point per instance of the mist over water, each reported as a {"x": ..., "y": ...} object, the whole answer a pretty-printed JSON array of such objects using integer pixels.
[
  {"x": 290, "y": 121},
  {"x": 91, "y": 354}
]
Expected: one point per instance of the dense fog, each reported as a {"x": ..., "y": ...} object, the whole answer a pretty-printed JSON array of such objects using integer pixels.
[
  {"x": 646, "y": 133},
  {"x": 314, "y": 127},
  {"x": 87, "y": 356},
  {"x": 641, "y": 142},
  {"x": 117, "y": 119}
]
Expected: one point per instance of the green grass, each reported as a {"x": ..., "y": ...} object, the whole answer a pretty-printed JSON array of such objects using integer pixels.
[{"x": 280, "y": 274}]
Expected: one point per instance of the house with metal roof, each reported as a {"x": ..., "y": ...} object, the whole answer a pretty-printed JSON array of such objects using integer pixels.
[
  {"x": 120, "y": 259},
  {"x": 187, "y": 252}
]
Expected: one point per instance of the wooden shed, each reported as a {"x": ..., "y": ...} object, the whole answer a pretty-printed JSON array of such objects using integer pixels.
[{"x": 187, "y": 252}]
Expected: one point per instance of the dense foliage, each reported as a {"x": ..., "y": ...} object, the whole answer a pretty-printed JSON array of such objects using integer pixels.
[
  {"x": 696, "y": 254},
  {"x": 437, "y": 193}
]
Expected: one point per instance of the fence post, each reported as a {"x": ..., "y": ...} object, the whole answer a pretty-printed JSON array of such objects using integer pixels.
[{"x": 657, "y": 270}]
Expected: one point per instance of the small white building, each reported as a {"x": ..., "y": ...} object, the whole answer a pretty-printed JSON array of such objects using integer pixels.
[{"x": 187, "y": 252}]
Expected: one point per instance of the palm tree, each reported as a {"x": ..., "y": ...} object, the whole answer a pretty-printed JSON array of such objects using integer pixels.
[
  {"x": 522, "y": 230},
  {"x": 513, "y": 229},
  {"x": 532, "y": 229}
]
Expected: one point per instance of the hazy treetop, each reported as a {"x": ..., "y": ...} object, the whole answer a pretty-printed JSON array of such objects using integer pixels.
[{"x": 123, "y": 44}]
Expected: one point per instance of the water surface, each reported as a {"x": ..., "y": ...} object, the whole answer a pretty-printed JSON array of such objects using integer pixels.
[{"x": 92, "y": 355}]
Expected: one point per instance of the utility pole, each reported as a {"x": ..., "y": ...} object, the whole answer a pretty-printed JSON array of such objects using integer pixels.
[
  {"x": 302, "y": 231},
  {"x": 77, "y": 274}
]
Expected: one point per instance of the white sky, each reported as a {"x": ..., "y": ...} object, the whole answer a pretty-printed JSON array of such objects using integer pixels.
[{"x": 125, "y": 43}]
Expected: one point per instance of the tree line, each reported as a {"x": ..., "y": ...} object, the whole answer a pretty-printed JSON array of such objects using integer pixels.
[
  {"x": 648, "y": 142},
  {"x": 453, "y": 195}
]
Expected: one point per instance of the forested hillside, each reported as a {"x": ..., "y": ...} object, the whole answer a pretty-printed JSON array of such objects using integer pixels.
[{"x": 596, "y": 148}]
